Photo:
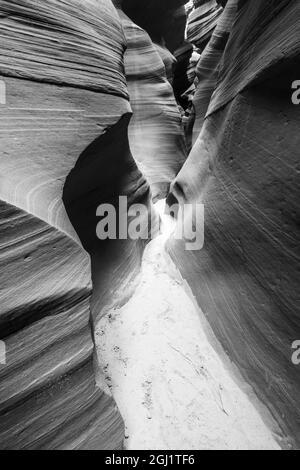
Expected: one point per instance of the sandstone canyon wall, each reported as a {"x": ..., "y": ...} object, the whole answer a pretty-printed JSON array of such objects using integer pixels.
[
  {"x": 64, "y": 123},
  {"x": 155, "y": 132},
  {"x": 202, "y": 21},
  {"x": 69, "y": 143},
  {"x": 243, "y": 167},
  {"x": 165, "y": 22},
  {"x": 207, "y": 69}
]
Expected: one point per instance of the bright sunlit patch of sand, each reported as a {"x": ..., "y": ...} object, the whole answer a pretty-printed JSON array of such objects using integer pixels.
[{"x": 168, "y": 223}]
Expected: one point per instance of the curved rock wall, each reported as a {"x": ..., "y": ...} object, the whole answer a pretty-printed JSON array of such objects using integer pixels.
[
  {"x": 243, "y": 167},
  {"x": 202, "y": 21},
  {"x": 164, "y": 21},
  {"x": 66, "y": 141},
  {"x": 207, "y": 70},
  {"x": 66, "y": 105},
  {"x": 155, "y": 133}
]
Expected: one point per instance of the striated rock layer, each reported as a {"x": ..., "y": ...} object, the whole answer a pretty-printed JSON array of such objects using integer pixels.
[
  {"x": 155, "y": 132},
  {"x": 202, "y": 21},
  {"x": 207, "y": 70},
  {"x": 243, "y": 167},
  {"x": 66, "y": 104},
  {"x": 165, "y": 22}
]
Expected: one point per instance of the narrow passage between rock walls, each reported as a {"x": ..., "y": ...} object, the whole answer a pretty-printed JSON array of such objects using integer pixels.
[{"x": 173, "y": 389}]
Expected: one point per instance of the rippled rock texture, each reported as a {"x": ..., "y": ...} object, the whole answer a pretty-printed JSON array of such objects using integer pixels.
[
  {"x": 202, "y": 21},
  {"x": 243, "y": 167},
  {"x": 155, "y": 132},
  {"x": 64, "y": 116},
  {"x": 207, "y": 69},
  {"x": 165, "y": 22}
]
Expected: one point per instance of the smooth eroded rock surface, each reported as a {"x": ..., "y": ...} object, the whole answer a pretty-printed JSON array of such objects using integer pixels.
[
  {"x": 202, "y": 21},
  {"x": 208, "y": 67},
  {"x": 66, "y": 98},
  {"x": 156, "y": 134},
  {"x": 243, "y": 167}
]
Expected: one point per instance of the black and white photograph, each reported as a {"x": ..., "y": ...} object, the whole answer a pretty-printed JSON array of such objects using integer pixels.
[{"x": 149, "y": 228}]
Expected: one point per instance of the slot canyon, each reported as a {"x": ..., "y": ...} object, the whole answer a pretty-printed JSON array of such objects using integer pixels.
[{"x": 137, "y": 342}]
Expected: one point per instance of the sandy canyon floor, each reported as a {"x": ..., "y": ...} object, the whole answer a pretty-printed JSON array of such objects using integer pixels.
[{"x": 171, "y": 381}]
